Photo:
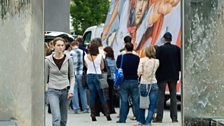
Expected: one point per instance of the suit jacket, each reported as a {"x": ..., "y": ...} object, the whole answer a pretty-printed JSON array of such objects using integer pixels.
[{"x": 170, "y": 62}]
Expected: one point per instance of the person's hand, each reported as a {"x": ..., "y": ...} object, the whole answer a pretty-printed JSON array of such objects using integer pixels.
[
  {"x": 70, "y": 95},
  {"x": 161, "y": 7},
  {"x": 174, "y": 2}
]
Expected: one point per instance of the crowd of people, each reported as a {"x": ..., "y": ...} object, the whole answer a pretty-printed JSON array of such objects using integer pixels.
[{"x": 72, "y": 72}]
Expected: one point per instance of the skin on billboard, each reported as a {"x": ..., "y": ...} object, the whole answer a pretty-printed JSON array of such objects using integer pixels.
[{"x": 141, "y": 19}]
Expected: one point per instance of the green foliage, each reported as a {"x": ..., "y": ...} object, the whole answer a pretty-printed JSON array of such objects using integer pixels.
[{"x": 86, "y": 13}]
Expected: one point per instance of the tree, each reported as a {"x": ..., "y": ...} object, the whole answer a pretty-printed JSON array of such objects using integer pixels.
[{"x": 86, "y": 13}]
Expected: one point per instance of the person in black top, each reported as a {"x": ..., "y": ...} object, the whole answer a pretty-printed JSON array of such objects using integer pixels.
[
  {"x": 167, "y": 73},
  {"x": 130, "y": 83},
  {"x": 127, "y": 39}
]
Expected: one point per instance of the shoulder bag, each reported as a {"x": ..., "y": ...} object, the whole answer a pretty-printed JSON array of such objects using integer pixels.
[{"x": 102, "y": 81}]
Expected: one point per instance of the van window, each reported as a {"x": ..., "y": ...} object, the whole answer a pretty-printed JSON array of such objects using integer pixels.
[{"x": 87, "y": 37}]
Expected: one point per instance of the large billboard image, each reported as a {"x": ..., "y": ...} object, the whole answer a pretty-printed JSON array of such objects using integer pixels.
[{"x": 144, "y": 20}]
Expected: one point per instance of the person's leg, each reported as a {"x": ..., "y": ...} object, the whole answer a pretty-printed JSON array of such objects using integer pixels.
[
  {"x": 98, "y": 108},
  {"x": 124, "y": 102},
  {"x": 153, "y": 100},
  {"x": 63, "y": 107},
  {"x": 111, "y": 94},
  {"x": 53, "y": 99},
  {"x": 134, "y": 91},
  {"x": 82, "y": 92},
  {"x": 160, "y": 104},
  {"x": 173, "y": 100},
  {"x": 143, "y": 92},
  {"x": 102, "y": 99},
  {"x": 75, "y": 98},
  {"x": 130, "y": 105},
  {"x": 90, "y": 78}
]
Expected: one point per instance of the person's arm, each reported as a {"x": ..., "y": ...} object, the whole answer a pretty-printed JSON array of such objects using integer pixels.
[
  {"x": 85, "y": 58},
  {"x": 174, "y": 2},
  {"x": 112, "y": 18},
  {"x": 118, "y": 62},
  {"x": 161, "y": 8},
  {"x": 102, "y": 64},
  {"x": 71, "y": 77},
  {"x": 46, "y": 72},
  {"x": 179, "y": 58},
  {"x": 140, "y": 67}
]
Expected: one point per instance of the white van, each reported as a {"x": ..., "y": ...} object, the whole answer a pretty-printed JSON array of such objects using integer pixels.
[{"x": 92, "y": 32}]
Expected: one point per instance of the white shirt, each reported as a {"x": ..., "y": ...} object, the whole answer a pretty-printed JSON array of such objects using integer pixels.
[
  {"x": 147, "y": 69},
  {"x": 90, "y": 66}
]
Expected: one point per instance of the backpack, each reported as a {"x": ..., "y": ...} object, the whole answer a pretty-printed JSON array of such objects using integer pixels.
[{"x": 119, "y": 75}]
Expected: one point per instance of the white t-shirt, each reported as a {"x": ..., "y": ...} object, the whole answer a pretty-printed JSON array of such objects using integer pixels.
[{"x": 90, "y": 67}]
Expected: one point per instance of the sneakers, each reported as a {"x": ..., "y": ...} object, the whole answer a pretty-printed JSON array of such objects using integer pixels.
[
  {"x": 77, "y": 111},
  {"x": 86, "y": 111},
  {"x": 120, "y": 121}
]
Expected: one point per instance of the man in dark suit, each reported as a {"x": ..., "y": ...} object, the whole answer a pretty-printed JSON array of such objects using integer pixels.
[{"x": 167, "y": 73}]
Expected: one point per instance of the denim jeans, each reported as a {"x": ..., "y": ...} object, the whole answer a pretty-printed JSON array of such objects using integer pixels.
[
  {"x": 58, "y": 103},
  {"x": 79, "y": 90},
  {"x": 128, "y": 87},
  {"x": 153, "y": 99},
  {"x": 94, "y": 86}
]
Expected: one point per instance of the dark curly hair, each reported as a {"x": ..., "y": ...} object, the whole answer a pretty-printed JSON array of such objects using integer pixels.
[
  {"x": 93, "y": 49},
  {"x": 110, "y": 52}
]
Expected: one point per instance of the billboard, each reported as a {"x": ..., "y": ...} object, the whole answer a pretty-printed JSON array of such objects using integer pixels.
[{"x": 144, "y": 20}]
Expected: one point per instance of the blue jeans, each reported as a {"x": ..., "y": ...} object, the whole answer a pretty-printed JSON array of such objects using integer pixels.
[
  {"x": 128, "y": 87},
  {"x": 153, "y": 99},
  {"x": 79, "y": 90},
  {"x": 94, "y": 86},
  {"x": 58, "y": 103}
]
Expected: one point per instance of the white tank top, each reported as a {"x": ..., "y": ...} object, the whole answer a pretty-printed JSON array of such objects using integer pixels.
[{"x": 90, "y": 67}]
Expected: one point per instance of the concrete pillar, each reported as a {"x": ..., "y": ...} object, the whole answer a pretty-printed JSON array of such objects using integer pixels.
[
  {"x": 203, "y": 62},
  {"x": 22, "y": 62},
  {"x": 57, "y": 15}
]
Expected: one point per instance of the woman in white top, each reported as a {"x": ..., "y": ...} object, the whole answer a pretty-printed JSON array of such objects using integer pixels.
[
  {"x": 94, "y": 63},
  {"x": 148, "y": 84}
]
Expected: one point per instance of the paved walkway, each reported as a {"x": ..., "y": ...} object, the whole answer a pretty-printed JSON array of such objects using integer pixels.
[{"x": 84, "y": 119}]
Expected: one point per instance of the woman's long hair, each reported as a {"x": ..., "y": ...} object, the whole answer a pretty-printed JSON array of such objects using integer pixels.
[
  {"x": 93, "y": 49},
  {"x": 109, "y": 52}
]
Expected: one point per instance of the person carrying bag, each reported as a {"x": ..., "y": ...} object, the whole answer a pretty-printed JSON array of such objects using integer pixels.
[
  {"x": 95, "y": 64},
  {"x": 148, "y": 85},
  {"x": 102, "y": 81}
]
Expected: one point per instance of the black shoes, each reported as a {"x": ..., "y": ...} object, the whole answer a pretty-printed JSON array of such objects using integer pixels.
[
  {"x": 157, "y": 121},
  {"x": 120, "y": 121},
  {"x": 175, "y": 121},
  {"x": 93, "y": 118},
  {"x": 108, "y": 118}
]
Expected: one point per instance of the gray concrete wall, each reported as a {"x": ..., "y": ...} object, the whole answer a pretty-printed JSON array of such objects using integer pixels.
[
  {"x": 56, "y": 15},
  {"x": 21, "y": 62},
  {"x": 203, "y": 60}
]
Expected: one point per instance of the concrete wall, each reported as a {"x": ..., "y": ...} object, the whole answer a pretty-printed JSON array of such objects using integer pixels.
[
  {"x": 56, "y": 15},
  {"x": 203, "y": 61},
  {"x": 21, "y": 62}
]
